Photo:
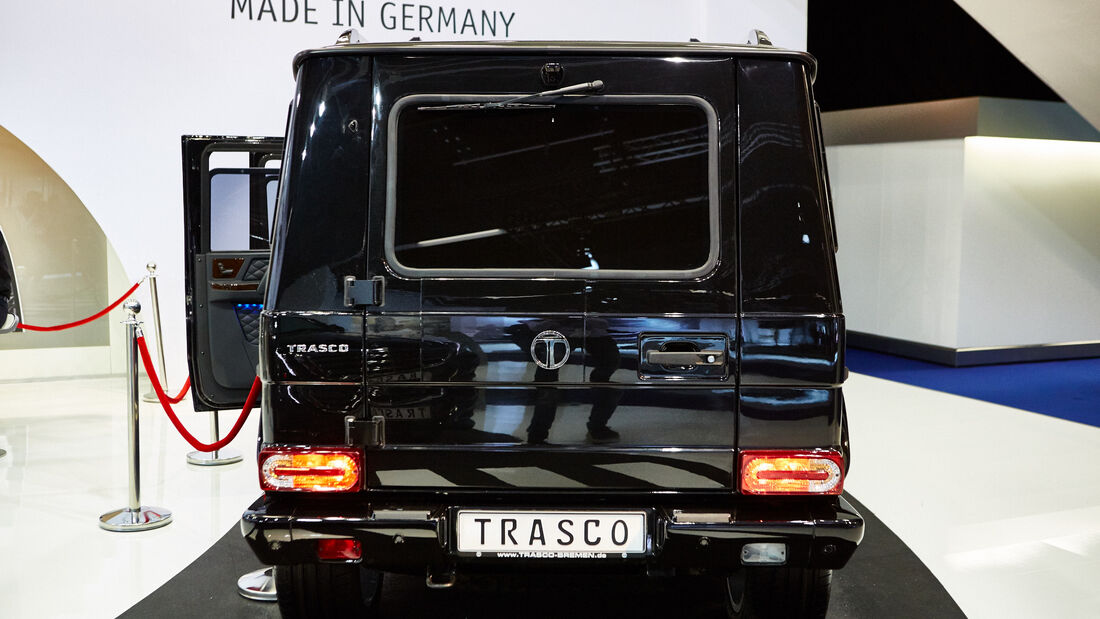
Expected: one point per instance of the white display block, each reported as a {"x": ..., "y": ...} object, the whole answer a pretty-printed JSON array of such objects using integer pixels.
[
  {"x": 1030, "y": 242},
  {"x": 972, "y": 242},
  {"x": 899, "y": 223}
]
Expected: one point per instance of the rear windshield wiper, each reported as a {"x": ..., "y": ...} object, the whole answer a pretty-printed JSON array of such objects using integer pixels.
[{"x": 514, "y": 102}]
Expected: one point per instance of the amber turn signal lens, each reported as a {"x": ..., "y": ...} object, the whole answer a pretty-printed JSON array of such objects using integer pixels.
[
  {"x": 791, "y": 472},
  {"x": 326, "y": 469}
]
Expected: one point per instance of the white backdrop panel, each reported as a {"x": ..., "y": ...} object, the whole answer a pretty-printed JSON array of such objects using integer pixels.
[
  {"x": 899, "y": 216},
  {"x": 103, "y": 90}
]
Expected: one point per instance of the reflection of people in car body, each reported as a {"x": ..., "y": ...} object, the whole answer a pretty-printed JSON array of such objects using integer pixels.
[{"x": 604, "y": 356}]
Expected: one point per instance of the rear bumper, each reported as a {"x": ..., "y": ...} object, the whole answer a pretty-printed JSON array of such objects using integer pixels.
[{"x": 412, "y": 536}]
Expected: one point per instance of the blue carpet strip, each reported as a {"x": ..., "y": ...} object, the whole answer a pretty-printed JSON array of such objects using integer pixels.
[{"x": 1065, "y": 389}]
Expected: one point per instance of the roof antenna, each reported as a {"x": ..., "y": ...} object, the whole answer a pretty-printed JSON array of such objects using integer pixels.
[
  {"x": 759, "y": 37},
  {"x": 693, "y": 40},
  {"x": 350, "y": 36}
]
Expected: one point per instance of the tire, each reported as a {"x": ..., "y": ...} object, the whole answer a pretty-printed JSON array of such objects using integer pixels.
[
  {"x": 327, "y": 590},
  {"x": 774, "y": 592}
]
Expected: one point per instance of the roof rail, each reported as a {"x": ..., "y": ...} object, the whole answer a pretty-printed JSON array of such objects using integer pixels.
[
  {"x": 759, "y": 37},
  {"x": 350, "y": 36}
]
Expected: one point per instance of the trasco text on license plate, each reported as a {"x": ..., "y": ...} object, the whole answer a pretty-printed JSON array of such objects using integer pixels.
[{"x": 551, "y": 534}]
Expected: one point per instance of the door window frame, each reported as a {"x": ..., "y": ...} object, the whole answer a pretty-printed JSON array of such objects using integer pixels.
[
  {"x": 260, "y": 154},
  {"x": 714, "y": 236}
]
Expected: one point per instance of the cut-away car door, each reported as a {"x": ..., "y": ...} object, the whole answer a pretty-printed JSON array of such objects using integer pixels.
[
  {"x": 229, "y": 190},
  {"x": 9, "y": 288}
]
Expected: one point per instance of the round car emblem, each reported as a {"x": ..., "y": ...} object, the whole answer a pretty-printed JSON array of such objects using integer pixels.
[{"x": 550, "y": 350}]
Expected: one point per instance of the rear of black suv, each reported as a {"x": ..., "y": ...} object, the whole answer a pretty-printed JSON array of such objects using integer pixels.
[{"x": 597, "y": 328}]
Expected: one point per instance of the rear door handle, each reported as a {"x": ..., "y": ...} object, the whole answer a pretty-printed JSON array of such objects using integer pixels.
[{"x": 681, "y": 358}]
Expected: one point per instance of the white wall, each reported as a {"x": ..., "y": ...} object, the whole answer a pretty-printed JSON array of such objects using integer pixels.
[
  {"x": 38, "y": 363},
  {"x": 103, "y": 90},
  {"x": 1031, "y": 242},
  {"x": 784, "y": 21},
  {"x": 899, "y": 222},
  {"x": 970, "y": 242}
]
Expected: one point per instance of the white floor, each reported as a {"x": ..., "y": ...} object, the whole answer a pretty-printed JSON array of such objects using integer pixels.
[
  {"x": 67, "y": 465},
  {"x": 1003, "y": 505}
]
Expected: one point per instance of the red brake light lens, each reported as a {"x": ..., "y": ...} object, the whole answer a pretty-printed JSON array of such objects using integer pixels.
[
  {"x": 325, "y": 469},
  {"x": 768, "y": 471}
]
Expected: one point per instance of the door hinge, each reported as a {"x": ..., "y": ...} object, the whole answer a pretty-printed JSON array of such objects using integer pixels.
[
  {"x": 364, "y": 291},
  {"x": 365, "y": 432}
]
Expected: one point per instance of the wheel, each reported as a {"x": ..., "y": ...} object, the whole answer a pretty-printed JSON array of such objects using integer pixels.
[
  {"x": 766, "y": 592},
  {"x": 327, "y": 590}
]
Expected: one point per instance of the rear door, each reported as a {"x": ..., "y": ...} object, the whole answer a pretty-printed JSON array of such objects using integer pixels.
[
  {"x": 549, "y": 244},
  {"x": 230, "y": 184}
]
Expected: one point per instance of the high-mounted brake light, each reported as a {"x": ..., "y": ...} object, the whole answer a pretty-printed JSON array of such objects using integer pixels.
[
  {"x": 321, "y": 469},
  {"x": 768, "y": 471}
]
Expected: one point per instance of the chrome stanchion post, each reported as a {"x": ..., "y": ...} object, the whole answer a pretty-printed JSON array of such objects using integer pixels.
[
  {"x": 258, "y": 585},
  {"x": 135, "y": 516},
  {"x": 151, "y": 396},
  {"x": 217, "y": 457}
]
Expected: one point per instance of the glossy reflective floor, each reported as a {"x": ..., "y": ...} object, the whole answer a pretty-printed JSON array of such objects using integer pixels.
[
  {"x": 1003, "y": 505},
  {"x": 66, "y": 465}
]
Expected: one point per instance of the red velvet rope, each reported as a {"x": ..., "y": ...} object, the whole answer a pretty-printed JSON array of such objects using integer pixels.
[
  {"x": 183, "y": 392},
  {"x": 70, "y": 325},
  {"x": 166, "y": 403}
]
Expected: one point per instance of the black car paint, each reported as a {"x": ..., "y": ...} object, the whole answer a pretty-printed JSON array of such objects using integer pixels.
[{"x": 455, "y": 348}]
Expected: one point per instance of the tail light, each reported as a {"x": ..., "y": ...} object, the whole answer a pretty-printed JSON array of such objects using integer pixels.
[
  {"x": 321, "y": 469},
  {"x": 770, "y": 471}
]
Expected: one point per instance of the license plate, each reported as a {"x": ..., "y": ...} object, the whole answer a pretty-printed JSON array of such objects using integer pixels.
[
  {"x": 551, "y": 534},
  {"x": 397, "y": 413}
]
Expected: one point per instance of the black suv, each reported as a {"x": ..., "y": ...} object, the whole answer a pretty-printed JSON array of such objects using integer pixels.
[{"x": 529, "y": 306}]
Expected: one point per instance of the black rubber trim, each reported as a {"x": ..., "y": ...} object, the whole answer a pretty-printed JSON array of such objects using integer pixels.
[{"x": 965, "y": 357}]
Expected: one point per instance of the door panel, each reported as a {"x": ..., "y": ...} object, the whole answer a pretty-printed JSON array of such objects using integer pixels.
[
  {"x": 230, "y": 186},
  {"x": 478, "y": 376},
  {"x": 690, "y": 407},
  {"x": 635, "y": 336},
  {"x": 314, "y": 375},
  {"x": 539, "y": 231},
  {"x": 574, "y": 470},
  {"x": 632, "y": 325},
  {"x": 501, "y": 347}
]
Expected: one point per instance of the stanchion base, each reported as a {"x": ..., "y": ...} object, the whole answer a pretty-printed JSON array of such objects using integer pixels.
[
  {"x": 214, "y": 458},
  {"x": 258, "y": 585},
  {"x": 141, "y": 519},
  {"x": 150, "y": 397}
]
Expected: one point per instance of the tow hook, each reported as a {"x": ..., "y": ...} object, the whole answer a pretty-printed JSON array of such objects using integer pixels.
[{"x": 438, "y": 581}]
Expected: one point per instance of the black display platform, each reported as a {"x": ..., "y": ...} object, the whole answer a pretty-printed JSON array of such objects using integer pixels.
[{"x": 883, "y": 579}]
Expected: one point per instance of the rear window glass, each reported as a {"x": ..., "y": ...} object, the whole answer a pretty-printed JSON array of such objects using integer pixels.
[{"x": 592, "y": 188}]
